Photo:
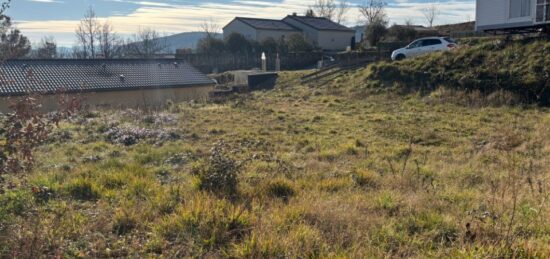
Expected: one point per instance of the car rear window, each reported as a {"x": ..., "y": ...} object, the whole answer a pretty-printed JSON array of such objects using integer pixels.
[
  {"x": 431, "y": 42},
  {"x": 450, "y": 40}
]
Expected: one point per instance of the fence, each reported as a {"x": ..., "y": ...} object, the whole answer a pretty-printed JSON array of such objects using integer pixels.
[{"x": 217, "y": 63}]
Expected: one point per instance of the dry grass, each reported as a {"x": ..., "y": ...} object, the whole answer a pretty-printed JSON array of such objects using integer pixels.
[{"x": 322, "y": 173}]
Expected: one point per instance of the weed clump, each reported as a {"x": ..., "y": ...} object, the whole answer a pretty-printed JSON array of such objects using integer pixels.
[
  {"x": 280, "y": 189},
  {"x": 205, "y": 223},
  {"x": 366, "y": 179},
  {"x": 124, "y": 222},
  {"x": 132, "y": 136},
  {"x": 219, "y": 172},
  {"x": 83, "y": 189}
]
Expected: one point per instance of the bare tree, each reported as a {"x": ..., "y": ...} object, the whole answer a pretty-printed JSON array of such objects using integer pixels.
[
  {"x": 431, "y": 12},
  {"x": 343, "y": 8},
  {"x": 87, "y": 33},
  {"x": 109, "y": 41},
  {"x": 146, "y": 43},
  {"x": 210, "y": 28},
  {"x": 47, "y": 49},
  {"x": 64, "y": 52},
  {"x": 325, "y": 8},
  {"x": 409, "y": 22},
  {"x": 373, "y": 11},
  {"x": 4, "y": 20}
]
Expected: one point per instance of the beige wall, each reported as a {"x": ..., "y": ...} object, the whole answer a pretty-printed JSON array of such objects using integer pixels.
[
  {"x": 124, "y": 99},
  {"x": 276, "y": 35},
  {"x": 254, "y": 34},
  {"x": 310, "y": 33},
  {"x": 335, "y": 40},
  {"x": 240, "y": 27}
]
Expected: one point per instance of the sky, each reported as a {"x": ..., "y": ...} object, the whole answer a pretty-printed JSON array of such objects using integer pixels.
[{"x": 59, "y": 18}]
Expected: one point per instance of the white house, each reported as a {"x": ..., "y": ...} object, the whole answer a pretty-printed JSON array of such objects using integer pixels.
[
  {"x": 323, "y": 32},
  {"x": 260, "y": 29},
  {"x": 496, "y": 15}
]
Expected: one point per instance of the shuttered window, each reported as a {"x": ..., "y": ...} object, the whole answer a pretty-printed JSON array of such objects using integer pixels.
[
  {"x": 543, "y": 10},
  {"x": 520, "y": 8}
]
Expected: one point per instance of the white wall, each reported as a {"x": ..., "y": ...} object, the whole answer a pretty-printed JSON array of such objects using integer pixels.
[{"x": 497, "y": 13}]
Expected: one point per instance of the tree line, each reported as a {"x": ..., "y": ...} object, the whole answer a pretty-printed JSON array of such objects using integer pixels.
[
  {"x": 94, "y": 39},
  {"x": 236, "y": 43},
  {"x": 98, "y": 39}
]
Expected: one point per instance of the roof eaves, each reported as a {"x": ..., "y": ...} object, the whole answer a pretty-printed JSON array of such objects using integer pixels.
[
  {"x": 244, "y": 20},
  {"x": 315, "y": 28}
]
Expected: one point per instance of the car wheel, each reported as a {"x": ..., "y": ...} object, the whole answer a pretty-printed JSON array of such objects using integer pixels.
[{"x": 400, "y": 57}]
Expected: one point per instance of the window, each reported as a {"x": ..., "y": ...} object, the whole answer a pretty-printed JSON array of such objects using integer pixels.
[
  {"x": 450, "y": 40},
  {"x": 543, "y": 10},
  {"x": 430, "y": 42},
  {"x": 520, "y": 8},
  {"x": 415, "y": 44}
]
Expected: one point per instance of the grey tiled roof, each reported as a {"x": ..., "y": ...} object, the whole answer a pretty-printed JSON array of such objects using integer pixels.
[
  {"x": 267, "y": 24},
  {"x": 50, "y": 76},
  {"x": 319, "y": 23}
]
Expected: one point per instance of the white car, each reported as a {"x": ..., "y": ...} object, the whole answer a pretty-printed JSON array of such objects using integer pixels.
[{"x": 424, "y": 46}]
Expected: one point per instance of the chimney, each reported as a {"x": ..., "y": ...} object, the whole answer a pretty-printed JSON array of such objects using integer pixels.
[{"x": 294, "y": 14}]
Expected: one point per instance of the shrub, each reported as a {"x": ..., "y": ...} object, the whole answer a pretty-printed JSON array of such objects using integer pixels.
[
  {"x": 219, "y": 172},
  {"x": 14, "y": 202},
  {"x": 298, "y": 43},
  {"x": 376, "y": 31}
]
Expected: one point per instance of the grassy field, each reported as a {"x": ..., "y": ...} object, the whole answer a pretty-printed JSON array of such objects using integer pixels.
[{"x": 332, "y": 169}]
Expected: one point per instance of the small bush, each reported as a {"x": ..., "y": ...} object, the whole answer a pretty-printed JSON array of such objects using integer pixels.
[
  {"x": 219, "y": 172},
  {"x": 14, "y": 202}
]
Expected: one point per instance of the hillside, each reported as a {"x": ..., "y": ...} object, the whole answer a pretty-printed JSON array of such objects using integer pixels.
[
  {"x": 509, "y": 72},
  {"x": 186, "y": 40},
  {"x": 345, "y": 168}
]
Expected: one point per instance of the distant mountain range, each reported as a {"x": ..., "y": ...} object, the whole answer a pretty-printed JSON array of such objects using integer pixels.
[{"x": 186, "y": 40}]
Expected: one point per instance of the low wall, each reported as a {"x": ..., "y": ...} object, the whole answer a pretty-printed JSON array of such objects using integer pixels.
[{"x": 151, "y": 98}]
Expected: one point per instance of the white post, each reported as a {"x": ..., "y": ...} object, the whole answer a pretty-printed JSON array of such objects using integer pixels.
[
  {"x": 264, "y": 62},
  {"x": 278, "y": 63}
]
